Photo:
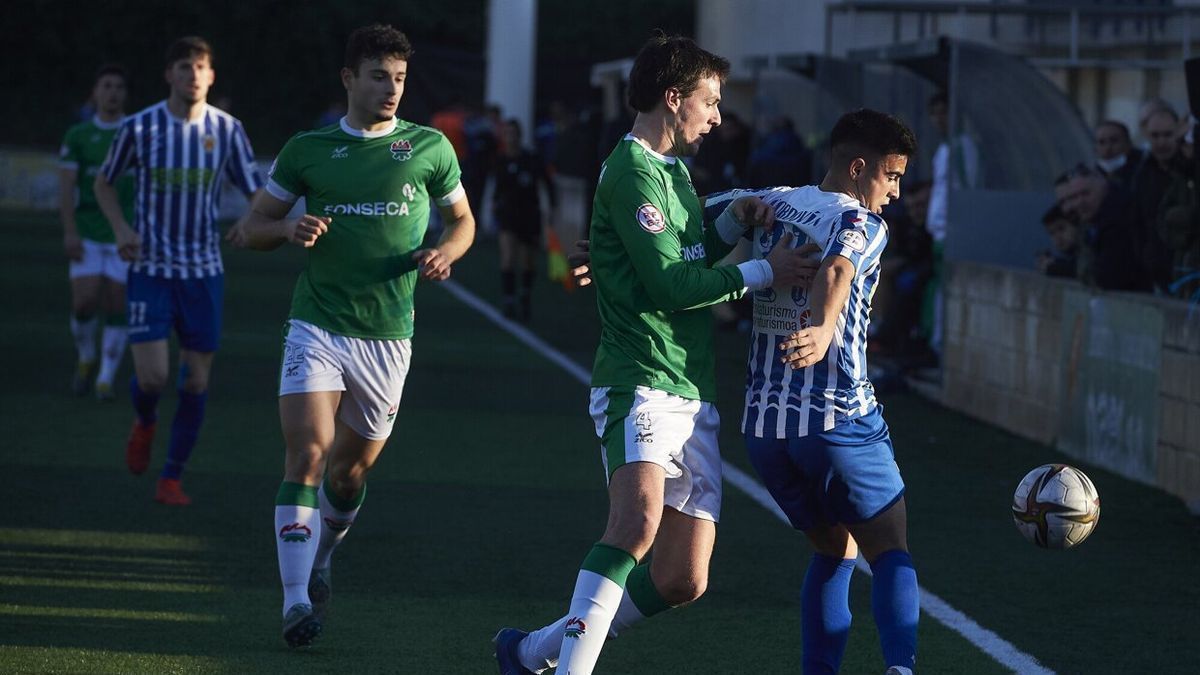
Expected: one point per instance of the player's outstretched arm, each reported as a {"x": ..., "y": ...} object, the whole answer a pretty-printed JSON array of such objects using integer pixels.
[
  {"x": 830, "y": 289},
  {"x": 434, "y": 263},
  {"x": 265, "y": 225}
]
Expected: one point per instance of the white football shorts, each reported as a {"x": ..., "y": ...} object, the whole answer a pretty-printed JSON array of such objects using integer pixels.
[
  {"x": 371, "y": 372},
  {"x": 676, "y": 433},
  {"x": 99, "y": 260}
]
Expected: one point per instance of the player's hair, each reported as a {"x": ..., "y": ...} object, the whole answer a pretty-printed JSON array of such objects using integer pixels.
[
  {"x": 1119, "y": 126},
  {"x": 187, "y": 47},
  {"x": 670, "y": 62},
  {"x": 375, "y": 42},
  {"x": 111, "y": 69},
  {"x": 869, "y": 134}
]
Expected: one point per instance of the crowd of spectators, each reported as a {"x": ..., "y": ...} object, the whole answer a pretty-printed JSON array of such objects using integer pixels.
[{"x": 1129, "y": 221}]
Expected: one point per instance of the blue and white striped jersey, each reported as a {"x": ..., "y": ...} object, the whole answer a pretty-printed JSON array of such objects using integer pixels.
[
  {"x": 180, "y": 167},
  {"x": 786, "y": 403}
]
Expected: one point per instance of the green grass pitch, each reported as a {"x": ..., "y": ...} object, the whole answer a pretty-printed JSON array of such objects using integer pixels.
[{"x": 483, "y": 504}]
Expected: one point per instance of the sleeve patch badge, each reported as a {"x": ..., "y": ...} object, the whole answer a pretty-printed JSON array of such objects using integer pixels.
[
  {"x": 853, "y": 239},
  {"x": 651, "y": 219}
]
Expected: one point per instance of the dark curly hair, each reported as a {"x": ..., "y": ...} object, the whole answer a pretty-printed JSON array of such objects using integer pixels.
[{"x": 375, "y": 42}]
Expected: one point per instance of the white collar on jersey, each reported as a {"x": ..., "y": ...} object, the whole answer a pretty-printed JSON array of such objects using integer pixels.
[
  {"x": 644, "y": 144},
  {"x": 362, "y": 133},
  {"x": 183, "y": 120},
  {"x": 101, "y": 124}
]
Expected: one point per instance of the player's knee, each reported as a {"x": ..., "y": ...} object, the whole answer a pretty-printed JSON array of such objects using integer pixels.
[
  {"x": 633, "y": 532},
  {"x": 346, "y": 486},
  {"x": 682, "y": 589},
  {"x": 194, "y": 385},
  {"x": 83, "y": 308},
  {"x": 152, "y": 382}
]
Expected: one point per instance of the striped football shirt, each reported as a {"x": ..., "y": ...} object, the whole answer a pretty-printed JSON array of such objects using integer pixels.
[
  {"x": 180, "y": 167},
  {"x": 786, "y": 403}
]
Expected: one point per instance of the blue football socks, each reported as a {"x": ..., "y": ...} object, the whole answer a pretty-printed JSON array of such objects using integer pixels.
[
  {"x": 145, "y": 404},
  {"x": 825, "y": 613},
  {"x": 184, "y": 431},
  {"x": 896, "y": 604}
]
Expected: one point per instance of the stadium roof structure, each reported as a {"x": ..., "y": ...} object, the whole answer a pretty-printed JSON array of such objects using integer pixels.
[{"x": 1027, "y": 130}]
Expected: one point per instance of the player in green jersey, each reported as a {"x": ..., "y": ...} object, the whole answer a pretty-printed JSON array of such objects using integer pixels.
[
  {"x": 367, "y": 183},
  {"x": 653, "y": 383},
  {"x": 96, "y": 270}
]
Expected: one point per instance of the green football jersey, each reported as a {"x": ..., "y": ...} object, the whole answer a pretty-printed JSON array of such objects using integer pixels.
[
  {"x": 653, "y": 268},
  {"x": 376, "y": 187},
  {"x": 84, "y": 149}
]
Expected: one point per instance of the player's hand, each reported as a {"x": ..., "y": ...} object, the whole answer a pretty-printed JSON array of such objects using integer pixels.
[
  {"x": 129, "y": 243},
  {"x": 237, "y": 235},
  {"x": 753, "y": 212},
  {"x": 791, "y": 266},
  {"x": 805, "y": 347},
  {"x": 305, "y": 230},
  {"x": 580, "y": 262},
  {"x": 73, "y": 247},
  {"x": 432, "y": 264}
]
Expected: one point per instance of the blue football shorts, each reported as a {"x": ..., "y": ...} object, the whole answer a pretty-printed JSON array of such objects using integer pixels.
[
  {"x": 192, "y": 307},
  {"x": 846, "y": 475}
]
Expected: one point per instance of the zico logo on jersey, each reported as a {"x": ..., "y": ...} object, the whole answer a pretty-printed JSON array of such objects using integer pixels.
[
  {"x": 295, "y": 533},
  {"x": 391, "y": 416},
  {"x": 575, "y": 628},
  {"x": 341, "y": 152},
  {"x": 367, "y": 209},
  {"x": 401, "y": 150},
  {"x": 651, "y": 219}
]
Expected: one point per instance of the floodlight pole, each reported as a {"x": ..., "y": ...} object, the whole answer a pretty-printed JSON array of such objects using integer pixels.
[{"x": 511, "y": 65}]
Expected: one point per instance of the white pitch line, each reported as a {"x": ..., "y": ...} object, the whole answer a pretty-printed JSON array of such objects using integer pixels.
[{"x": 1003, "y": 651}]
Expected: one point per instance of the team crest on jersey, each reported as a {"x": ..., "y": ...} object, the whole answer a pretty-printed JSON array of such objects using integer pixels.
[
  {"x": 209, "y": 142},
  {"x": 651, "y": 219},
  {"x": 853, "y": 239},
  {"x": 401, "y": 150}
]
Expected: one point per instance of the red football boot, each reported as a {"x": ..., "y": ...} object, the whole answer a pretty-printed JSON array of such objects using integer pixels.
[
  {"x": 170, "y": 492},
  {"x": 137, "y": 448}
]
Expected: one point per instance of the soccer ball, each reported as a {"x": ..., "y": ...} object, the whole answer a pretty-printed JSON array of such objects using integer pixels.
[{"x": 1056, "y": 506}]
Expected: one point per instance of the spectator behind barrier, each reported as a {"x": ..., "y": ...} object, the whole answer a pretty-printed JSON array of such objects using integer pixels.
[
  {"x": 1115, "y": 155},
  {"x": 1179, "y": 220},
  {"x": 1062, "y": 259},
  {"x": 1108, "y": 258},
  {"x": 1150, "y": 183}
]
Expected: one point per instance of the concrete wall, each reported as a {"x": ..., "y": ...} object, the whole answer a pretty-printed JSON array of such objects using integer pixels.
[{"x": 1003, "y": 364}]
